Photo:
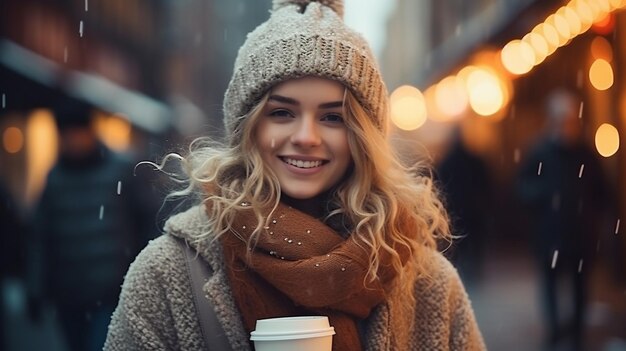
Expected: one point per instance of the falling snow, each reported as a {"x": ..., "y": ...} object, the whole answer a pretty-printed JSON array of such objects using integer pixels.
[
  {"x": 101, "y": 211},
  {"x": 580, "y": 110},
  {"x": 119, "y": 187},
  {"x": 555, "y": 257},
  {"x": 617, "y": 226},
  {"x": 539, "y": 169},
  {"x": 65, "y": 54},
  {"x": 580, "y": 172},
  {"x": 580, "y": 265},
  {"x": 4, "y": 100},
  {"x": 86, "y": 5},
  {"x": 80, "y": 29}
]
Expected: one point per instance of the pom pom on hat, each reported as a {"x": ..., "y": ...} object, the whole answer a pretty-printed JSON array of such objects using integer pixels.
[{"x": 336, "y": 5}]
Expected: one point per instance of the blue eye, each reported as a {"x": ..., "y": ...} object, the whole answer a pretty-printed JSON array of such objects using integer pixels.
[{"x": 333, "y": 117}]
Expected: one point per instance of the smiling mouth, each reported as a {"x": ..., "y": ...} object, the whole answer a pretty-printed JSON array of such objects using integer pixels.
[{"x": 302, "y": 163}]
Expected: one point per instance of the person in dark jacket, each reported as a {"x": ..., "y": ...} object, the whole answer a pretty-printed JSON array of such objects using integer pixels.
[
  {"x": 563, "y": 186},
  {"x": 89, "y": 224},
  {"x": 466, "y": 185}
]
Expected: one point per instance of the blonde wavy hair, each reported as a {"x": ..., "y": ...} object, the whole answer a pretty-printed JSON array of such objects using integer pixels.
[{"x": 388, "y": 204}]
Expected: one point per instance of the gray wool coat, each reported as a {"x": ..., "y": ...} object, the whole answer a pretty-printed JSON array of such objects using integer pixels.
[{"x": 156, "y": 309}]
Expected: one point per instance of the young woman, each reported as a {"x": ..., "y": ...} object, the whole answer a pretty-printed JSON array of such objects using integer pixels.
[{"x": 305, "y": 210}]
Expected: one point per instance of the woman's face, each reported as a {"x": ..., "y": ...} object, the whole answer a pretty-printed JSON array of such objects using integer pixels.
[{"x": 302, "y": 137}]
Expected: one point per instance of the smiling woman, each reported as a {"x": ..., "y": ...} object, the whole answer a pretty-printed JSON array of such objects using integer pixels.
[
  {"x": 305, "y": 211},
  {"x": 302, "y": 138}
]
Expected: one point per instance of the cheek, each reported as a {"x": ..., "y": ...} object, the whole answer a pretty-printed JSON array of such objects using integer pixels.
[
  {"x": 263, "y": 137},
  {"x": 342, "y": 149}
]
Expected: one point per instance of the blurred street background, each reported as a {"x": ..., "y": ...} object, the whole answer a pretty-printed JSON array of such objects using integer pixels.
[{"x": 518, "y": 105}]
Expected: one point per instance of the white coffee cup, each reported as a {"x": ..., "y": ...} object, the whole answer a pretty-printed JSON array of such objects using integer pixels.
[{"x": 306, "y": 333}]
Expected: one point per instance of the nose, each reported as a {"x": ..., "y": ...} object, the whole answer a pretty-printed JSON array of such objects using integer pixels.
[{"x": 306, "y": 133}]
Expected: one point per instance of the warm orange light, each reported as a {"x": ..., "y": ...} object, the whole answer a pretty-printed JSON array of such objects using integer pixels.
[
  {"x": 551, "y": 35},
  {"x": 486, "y": 96},
  {"x": 601, "y": 49},
  {"x": 432, "y": 108},
  {"x": 585, "y": 14},
  {"x": 518, "y": 57},
  {"x": 539, "y": 31},
  {"x": 41, "y": 151},
  {"x": 604, "y": 25},
  {"x": 113, "y": 130},
  {"x": 601, "y": 74},
  {"x": 573, "y": 21},
  {"x": 539, "y": 46},
  {"x": 596, "y": 10},
  {"x": 604, "y": 5},
  {"x": 451, "y": 96},
  {"x": 408, "y": 108},
  {"x": 617, "y": 4},
  {"x": 607, "y": 140},
  {"x": 13, "y": 140},
  {"x": 562, "y": 27},
  {"x": 403, "y": 91}
]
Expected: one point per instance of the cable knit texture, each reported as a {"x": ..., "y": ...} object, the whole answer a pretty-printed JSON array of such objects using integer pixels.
[
  {"x": 304, "y": 38},
  {"x": 156, "y": 309}
]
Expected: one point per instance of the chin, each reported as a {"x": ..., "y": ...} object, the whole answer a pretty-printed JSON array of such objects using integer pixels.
[{"x": 301, "y": 195}]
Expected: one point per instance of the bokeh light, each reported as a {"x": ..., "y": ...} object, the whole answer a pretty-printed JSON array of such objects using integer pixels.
[
  {"x": 539, "y": 46},
  {"x": 601, "y": 49},
  {"x": 113, "y": 130},
  {"x": 604, "y": 25},
  {"x": 573, "y": 21},
  {"x": 584, "y": 13},
  {"x": 518, "y": 57},
  {"x": 486, "y": 96},
  {"x": 408, "y": 108},
  {"x": 552, "y": 36},
  {"x": 562, "y": 27},
  {"x": 601, "y": 74},
  {"x": 41, "y": 150},
  {"x": 607, "y": 140},
  {"x": 451, "y": 97},
  {"x": 13, "y": 140}
]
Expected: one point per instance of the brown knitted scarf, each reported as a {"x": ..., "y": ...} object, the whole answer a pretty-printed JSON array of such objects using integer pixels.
[{"x": 300, "y": 266}]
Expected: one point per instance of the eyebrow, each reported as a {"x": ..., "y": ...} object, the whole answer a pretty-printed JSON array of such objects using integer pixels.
[{"x": 290, "y": 101}]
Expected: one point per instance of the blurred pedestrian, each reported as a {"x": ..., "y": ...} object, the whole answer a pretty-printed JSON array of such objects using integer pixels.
[
  {"x": 90, "y": 222},
  {"x": 562, "y": 183},
  {"x": 466, "y": 186}
]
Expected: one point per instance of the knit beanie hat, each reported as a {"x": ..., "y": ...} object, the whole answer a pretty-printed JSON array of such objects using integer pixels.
[{"x": 304, "y": 38}]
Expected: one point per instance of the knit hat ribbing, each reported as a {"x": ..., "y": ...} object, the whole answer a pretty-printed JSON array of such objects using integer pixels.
[{"x": 304, "y": 38}]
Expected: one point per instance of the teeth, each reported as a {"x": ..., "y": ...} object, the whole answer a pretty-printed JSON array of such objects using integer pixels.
[{"x": 302, "y": 164}]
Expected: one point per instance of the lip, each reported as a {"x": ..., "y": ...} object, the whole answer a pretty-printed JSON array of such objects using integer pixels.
[
  {"x": 303, "y": 158},
  {"x": 303, "y": 171}
]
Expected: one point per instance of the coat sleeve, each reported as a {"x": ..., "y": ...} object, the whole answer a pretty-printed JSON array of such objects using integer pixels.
[
  {"x": 464, "y": 331},
  {"x": 143, "y": 319}
]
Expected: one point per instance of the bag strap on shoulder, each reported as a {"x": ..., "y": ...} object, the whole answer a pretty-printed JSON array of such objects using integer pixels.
[{"x": 199, "y": 273}]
